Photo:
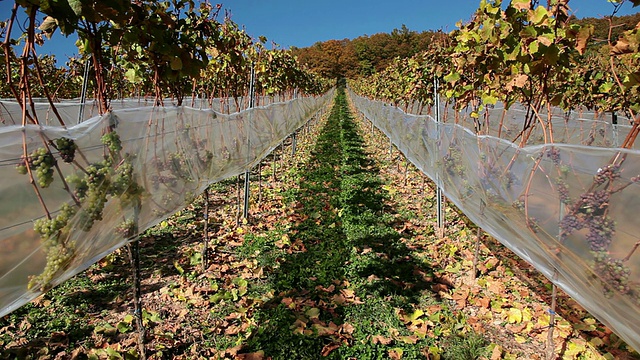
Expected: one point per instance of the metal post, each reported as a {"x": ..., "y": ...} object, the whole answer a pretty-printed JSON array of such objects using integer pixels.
[
  {"x": 83, "y": 94},
  {"x": 134, "y": 258},
  {"x": 554, "y": 293},
  {"x": 614, "y": 127},
  {"x": 247, "y": 173},
  {"x": 245, "y": 213},
  {"x": 205, "y": 248},
  {"x": 293, "y": 143},
  {"x": 436, "y": 105}
]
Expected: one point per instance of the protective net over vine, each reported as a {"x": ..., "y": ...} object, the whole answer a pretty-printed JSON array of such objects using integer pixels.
[
  {"x": 577, "y": 127},
  {"x": 11, "y": 112},
  {"x": 108, "y": 178},
  {"x": 566, "y": 208}
]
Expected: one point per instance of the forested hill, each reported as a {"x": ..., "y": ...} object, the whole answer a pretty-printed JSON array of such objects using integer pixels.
[
  {"x": 367, "y": 54},
  {"x": 363, "y": 55},
  {"x": 601, "y": 25}
]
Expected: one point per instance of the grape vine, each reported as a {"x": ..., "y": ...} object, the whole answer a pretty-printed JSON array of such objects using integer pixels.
[{"x": 525, "y": 53}]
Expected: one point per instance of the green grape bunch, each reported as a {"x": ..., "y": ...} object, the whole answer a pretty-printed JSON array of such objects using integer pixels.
[
  {"x": 113, "y": 143},
  {"x": 59, "y": 252},
  {"x": 126, "y": 229},
  {"x": 22, "y": 167},
  {"x": 43, "y": 162},
  {"x": 66, "y": 147}
]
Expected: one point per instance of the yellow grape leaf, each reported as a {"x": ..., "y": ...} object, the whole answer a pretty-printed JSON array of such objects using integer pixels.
[
  {"x": 543, "y": 320},
  {"x": 574, "y": 349},
  {"x": 514, "y": 316},
  {"x": 411, "y": 339},
  {"x": 526, "y": 314},
  {"x": 539, "y": 15},
  {"x": 416, "y": 314},
  {"x": 313, "y": 313}
]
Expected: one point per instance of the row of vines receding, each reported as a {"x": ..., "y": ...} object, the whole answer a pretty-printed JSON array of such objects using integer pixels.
[
  {"x": 143, "y": 48},
  {"x": 162, "y": 50},
  {"x": 519, "y": 52},
  {"x": 530, "y": 57}
]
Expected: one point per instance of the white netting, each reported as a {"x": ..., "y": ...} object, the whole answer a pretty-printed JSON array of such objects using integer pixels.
[
  {"x": 559, "y": 207},
  {"x": 176, "y": 152},
  {"x": 11, "y": 112},
  {"x": 578, "y": 127}
]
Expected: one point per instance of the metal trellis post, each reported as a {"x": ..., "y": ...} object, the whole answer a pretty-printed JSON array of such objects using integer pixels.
[
  {"x": 247, "y": 173},
  {"x": 436, "y": 105},
  {"x": 83, "y": 94}
]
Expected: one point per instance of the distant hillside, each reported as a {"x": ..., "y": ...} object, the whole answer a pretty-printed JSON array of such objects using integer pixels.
[
  {"x": 363, "y": 55},
  {"x": 601, "y": 25},
  {"x": 367, "y": 54}
]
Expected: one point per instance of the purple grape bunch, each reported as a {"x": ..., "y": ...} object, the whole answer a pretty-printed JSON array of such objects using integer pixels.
[
  {"x": 569, "y": 224},
  {"x": 607, "y": 173},
  {"x": 563, "y": 191},
  {"x": 613, "y": 273},
  {"x": 594, "y": 203},
  {"x": 554, "y": 154},
  {"x": 601, "y": 231}
]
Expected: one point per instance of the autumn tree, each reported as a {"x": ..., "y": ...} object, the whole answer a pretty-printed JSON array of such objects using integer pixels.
[{"x": 332, "y": 59}]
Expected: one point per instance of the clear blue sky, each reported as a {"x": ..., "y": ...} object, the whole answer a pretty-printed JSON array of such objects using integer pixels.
[{"x": 301, "y": 23}]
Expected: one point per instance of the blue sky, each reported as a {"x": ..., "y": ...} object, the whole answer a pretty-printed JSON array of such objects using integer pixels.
[{"x": 301, "y": 23}]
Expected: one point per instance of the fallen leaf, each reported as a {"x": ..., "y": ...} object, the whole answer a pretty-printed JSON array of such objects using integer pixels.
[
  {"x": 461, "y": 298},
  {"x": 520, "y": 339},
  {"x": 338, "y": 299},
  {"x": 258, "y": 355},
  {"x": 330, "y": 289},
  {"x": 411, "y": 318},
  {"x": 233, "y": 351},
  {"x": 326, "y": 330},
  {"x": 347, "y": 328},
  {"x": 439, "y": 288},
  {"x": 347, "y": 293},
  {"x": 495, "y": 287},
  {"x": 232, "y": 330},
  {"x": 379, "y": 339},
  {"x": 496, "y": 354},
  {"x": 395, "y": 354},
  {"x": 514, "y": 316},
  {"x": 483, "y": 302},
  {"x": 313, "y": 313},
  {"x": 327, "y": 349},
  {"x": 288, "y": 302},
  {"x": 476, "y": 324},
  {"x": 411, "y": 339},
  {"x": 298, "y": 326}
]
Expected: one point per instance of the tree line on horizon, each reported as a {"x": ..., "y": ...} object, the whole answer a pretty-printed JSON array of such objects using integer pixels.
[{"x": 368, "y": 54}]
